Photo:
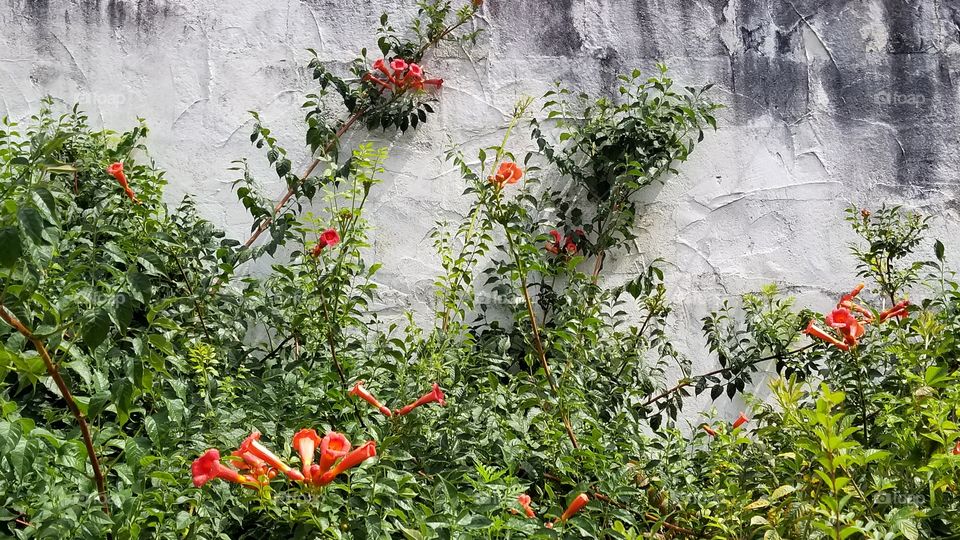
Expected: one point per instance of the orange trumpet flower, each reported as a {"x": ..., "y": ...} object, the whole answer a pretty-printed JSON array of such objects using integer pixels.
[
  {"x": 208, "y": 466},
  {"x": 305, "y": 443},
  {"x": 253, "y": 446},
  {"x": 362, "y": 393},
  {"x": 434, "y": 395},
  {"x": 354, "y": 458}
]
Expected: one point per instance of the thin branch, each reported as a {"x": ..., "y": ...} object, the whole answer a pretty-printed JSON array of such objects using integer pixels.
[
  {"x": 688, "y": 381},
  {"x": 10, "y": 319},
  {"x": 537, "y": 343},
  {"x": 265, "y": 224},
  {"x": 276, "y": 349}
]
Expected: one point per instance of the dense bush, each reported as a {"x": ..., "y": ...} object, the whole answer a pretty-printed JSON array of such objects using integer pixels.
[{"x": 139, "y": 360}]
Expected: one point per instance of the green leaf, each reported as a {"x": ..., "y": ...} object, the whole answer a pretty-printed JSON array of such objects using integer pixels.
[
  {"x": 10, "y": 248},
  {"x": 474, "y": 522},
  {"x": 122, "y": 312},
  {"x": 95, "y": 329},
  {"x": 782, "y": 491},
  {"x": 938, "y": 250},
  {"x": 98, "y": 402},
  {"x": 908, "y": 528},
  {"x": 32, "y": 223},
  {"x": 140, "y": 286}
]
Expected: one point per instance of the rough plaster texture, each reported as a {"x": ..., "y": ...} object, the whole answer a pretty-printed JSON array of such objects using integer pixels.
[{"x": 829, "y": 102}]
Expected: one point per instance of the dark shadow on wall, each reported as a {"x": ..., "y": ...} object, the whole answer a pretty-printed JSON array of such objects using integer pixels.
[{"x": 888, "y": 65}]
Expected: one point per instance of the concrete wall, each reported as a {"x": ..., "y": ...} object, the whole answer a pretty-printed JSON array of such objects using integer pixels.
[{"x": 829, "y": 103}]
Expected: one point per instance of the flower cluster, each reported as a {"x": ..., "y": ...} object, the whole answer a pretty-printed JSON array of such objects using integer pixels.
[
  {"x": 259, "y": 464},
  {"x": 116, "y": 170},
  {"x": 399, "y": 75},
  {"x": 575, "y": 506},
  {"x": 508, "y": 173},
  {"x": 435, "y": 395},
  {"x": 328, "y": 238},
  {"x": 844, "y": 321},
  {"x": 560, "y": 243}
]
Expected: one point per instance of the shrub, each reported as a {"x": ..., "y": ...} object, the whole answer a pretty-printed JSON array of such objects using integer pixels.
[{"x": 152, "y": 389}]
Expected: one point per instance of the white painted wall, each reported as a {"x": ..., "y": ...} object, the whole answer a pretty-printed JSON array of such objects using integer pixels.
[{"x": 829, "y": 103}]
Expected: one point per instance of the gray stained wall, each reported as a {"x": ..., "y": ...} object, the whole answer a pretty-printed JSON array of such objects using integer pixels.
[{"x": 828, "y": 102}]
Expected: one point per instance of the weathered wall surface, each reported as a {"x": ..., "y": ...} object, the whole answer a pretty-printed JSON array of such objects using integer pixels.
[{"x": 829, "y": 102}]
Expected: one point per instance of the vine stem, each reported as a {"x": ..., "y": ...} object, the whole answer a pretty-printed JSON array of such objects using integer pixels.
[
  {"x": 10, "y": 319},
  {"x": 537, "y": 343},
  {"x": 336, "y": 138},
  {"x": 688, "y": 381},
  {"x": 265, "y": 224}
]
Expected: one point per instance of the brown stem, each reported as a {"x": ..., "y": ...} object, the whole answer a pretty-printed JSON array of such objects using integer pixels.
[
  {"x": 537, "y": 343},
  {"x": 687, "y": 382},
  {"x": 332, "y": 343},
  {"x": 10, "y": 319},
  {"x": 265, "y": 224},
  {"x": 196, "y": 301},
  {"x": 598, "y": 265},
  {"x": 276, "y": 349}
]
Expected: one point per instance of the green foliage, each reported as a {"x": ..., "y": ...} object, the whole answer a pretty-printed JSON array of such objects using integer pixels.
[{"x": 556, "y": 380}]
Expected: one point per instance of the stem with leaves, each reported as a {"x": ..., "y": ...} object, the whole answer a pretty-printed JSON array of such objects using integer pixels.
[
  {"x": 54, "y": 373},
  {"x": 691, "y": 380}
]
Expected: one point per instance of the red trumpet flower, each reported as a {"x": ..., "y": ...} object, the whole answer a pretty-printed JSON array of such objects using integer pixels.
[
  {"x": 253, "y": 446},
  {"x": 710, "y": 431},
  {"x": 956, "y": 449},
  {"x": 434, "y": 395},
  {"x": 434, "y": 82},
  {"x": 850, "y": 295},
  {"x": 381, "y": 66},
  {"x": 354, "y": 458},
  {"x": 329, "y": 237},
  {"x": 305, "y": 443},
  {"x": 864, "y": 312},
  {"x": 333, "y": 447},
  {"x": 898, "y": 310},
  {"x": 524, "y": 501},
  {"x": 415, "y": 73},
  {"x": 508, "y": 173},
  {"x": 579, "y": 502},
  {"x": 208, "y": 466},
  {"x": 116, "y": 170},
  {"x": 247, "y": 461},
  {"x": 362, "y": 393},
  {"x": 554, "y": 246},
  {"x": 382, "y": 83},
  {"x": 813, "y": 331},
  {"x": 741, "y": 420},
  {"x": 849, "y": 327},
  {"x": 398, "y": 64}
]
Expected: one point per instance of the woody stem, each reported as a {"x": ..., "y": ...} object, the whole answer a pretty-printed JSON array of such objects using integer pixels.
[
  {"x": 537, "y": 343},
  {"x": 10, "y": 319},
  {"x": 265, "y": 224}
]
